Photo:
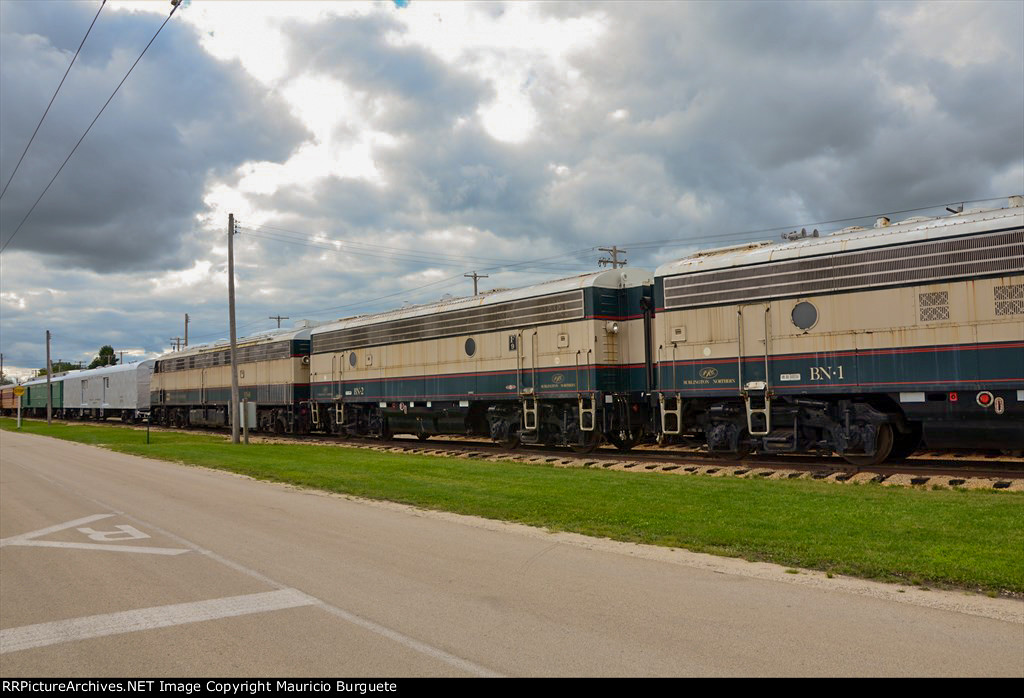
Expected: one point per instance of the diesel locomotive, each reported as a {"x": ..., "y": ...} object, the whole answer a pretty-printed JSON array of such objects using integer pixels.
[
  {"x": 865, "y": 342},
  {"x": 555, "y": 364}
]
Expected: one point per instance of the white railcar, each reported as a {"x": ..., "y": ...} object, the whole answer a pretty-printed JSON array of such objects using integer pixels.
[{"x": 111, "y": 391}]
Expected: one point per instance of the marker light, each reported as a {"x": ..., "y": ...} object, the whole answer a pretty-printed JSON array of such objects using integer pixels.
[
  {"x": 953, "y": 397},
  {"x": 984, "y": 398}
]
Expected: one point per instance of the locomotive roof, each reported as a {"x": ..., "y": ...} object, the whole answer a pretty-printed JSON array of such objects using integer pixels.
[
  {"x": 914, "y": 229},
  {"x": 57, "y": 378},
  {"x": 107, "y": 370},
  {"x": 610, "y": 278},
  {"x": 275, "y": 335}
]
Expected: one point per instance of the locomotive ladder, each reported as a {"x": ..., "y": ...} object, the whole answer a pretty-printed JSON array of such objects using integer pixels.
[
  {"x": 586, "y": 413},
  {"x": 757, "y": 397},
  {"x": 529, "y": 413}
]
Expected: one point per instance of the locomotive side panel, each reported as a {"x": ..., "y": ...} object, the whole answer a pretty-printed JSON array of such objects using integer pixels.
[{"x": 273, "y": 373}]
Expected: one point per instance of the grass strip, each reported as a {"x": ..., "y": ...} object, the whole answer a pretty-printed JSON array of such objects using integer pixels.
[{"x": 956, "y": 538}]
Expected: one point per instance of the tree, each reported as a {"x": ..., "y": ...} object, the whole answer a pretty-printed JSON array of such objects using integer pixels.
[
  {"x": 106, "y": 357},
  {"x": 60, "y": 367}
]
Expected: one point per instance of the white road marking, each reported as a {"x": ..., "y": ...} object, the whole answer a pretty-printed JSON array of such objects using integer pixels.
[
  {"x": 28, "y": 540},
  {"x": 122, "y": 533},
  {"x": 142, "y": 549},
  {"x": 54, "y": 529},
  {"x": 450, "y": 659},
  {"x": 59, "y": 632}
]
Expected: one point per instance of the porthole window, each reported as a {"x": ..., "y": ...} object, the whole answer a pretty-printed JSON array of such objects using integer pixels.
[
  {"x": 805, "y": 315},
  {"x": 352, "y": 361},
  {"x": 470, "y": 346}
]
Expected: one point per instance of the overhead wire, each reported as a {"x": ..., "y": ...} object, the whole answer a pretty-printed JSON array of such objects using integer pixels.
[
  {"x": 378, "y": 251},
  {"x": 403, "y": 257},
  {"x": 414, "y": 291},
  {"x": 345, "y": 241},
  {"x": 738, "y": 235},
  {"x": 102, "y": 109},
  {"x": 47, "y": 111}
]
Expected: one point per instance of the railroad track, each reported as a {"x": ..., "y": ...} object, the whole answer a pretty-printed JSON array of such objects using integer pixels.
[
  {"x": 947, "y": 468},
  {"x": 957, "y": 467}
]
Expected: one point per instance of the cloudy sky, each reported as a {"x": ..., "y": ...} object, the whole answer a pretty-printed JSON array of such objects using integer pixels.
[{"x": 374, "y": 153}]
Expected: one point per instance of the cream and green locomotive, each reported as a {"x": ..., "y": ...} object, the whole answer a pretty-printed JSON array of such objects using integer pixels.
[
  {"x": 193, "y": 387},
  {"x": 559, "y": 363},
  {"x": 863, "y": 342}
]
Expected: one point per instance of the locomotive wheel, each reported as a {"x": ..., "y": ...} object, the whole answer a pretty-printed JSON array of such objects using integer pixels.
[
  {"x": 624, "y": 440},
  {"x": 590, "y": 443},
  {"x": 511, "y": 442},
  {"x": 423, "y": 437},
  {"x": 905, "y": 444},
  {"x": 883, "y": 447}
]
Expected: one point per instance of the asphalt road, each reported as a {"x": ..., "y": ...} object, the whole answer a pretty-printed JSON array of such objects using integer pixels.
[{"x": 122, "y": 566}]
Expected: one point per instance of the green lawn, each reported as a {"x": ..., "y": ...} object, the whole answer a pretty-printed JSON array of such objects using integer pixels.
[{"x": 957, "y": 538}]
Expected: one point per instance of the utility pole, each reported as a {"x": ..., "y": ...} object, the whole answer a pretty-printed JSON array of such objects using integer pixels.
[
  {"x": 186, "y": 329},
  {"x": 175, "y": 343},
  {"x": 615, "y": 262},
  {"x": 49, "y": 375},
  {"x": 279, "y": 318},
  {"x": 475, "y": 276},
  {"x": 233, "y": 410}
]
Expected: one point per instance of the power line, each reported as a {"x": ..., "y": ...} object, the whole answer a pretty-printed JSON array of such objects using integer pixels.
[
  {"x": 52, "y": 99},
  {"x": 346, "y": 241},
  {"x": 176, "y": 4},
  {"x": 739, "y": 235},
  {"x": 385, "y": 253},
  {"x": 449, "y": 281}
]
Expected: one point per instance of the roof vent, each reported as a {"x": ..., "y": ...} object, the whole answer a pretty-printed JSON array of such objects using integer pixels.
[
  {"x": 1016, "y": 201},
  {"x": 799, "y": 236},
  {"x": 882, "y": 222}
]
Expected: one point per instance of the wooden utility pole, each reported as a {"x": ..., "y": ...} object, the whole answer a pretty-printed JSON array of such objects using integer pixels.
[
  {"x": 233, "y": 409},
  {"x": 49, "y": 376},
  {"x": 475, "y": 276},
  {"x": 175, "y": 343},
  {"x": 186, "y": 329},
  {"x": 279, "y": 318},
  {"x": 615, "y": 262}
]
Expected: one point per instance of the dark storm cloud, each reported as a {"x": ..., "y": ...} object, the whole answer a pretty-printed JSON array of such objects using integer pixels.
[
  {"x": 736, "y": 116},
  {"x": 773, "y": 112},
  {"x": 418, "y": 92},
  {"x": 137, "y": 182}
]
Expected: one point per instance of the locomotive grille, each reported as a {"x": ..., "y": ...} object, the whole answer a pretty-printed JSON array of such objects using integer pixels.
[
  {"x": 559, "y": 307},
  {"x": 934, "y": 306},
  {"x": 921, "y": 262},
  {"x": 259, "y": 352},
  {"x": 1009, "y": 299}
]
